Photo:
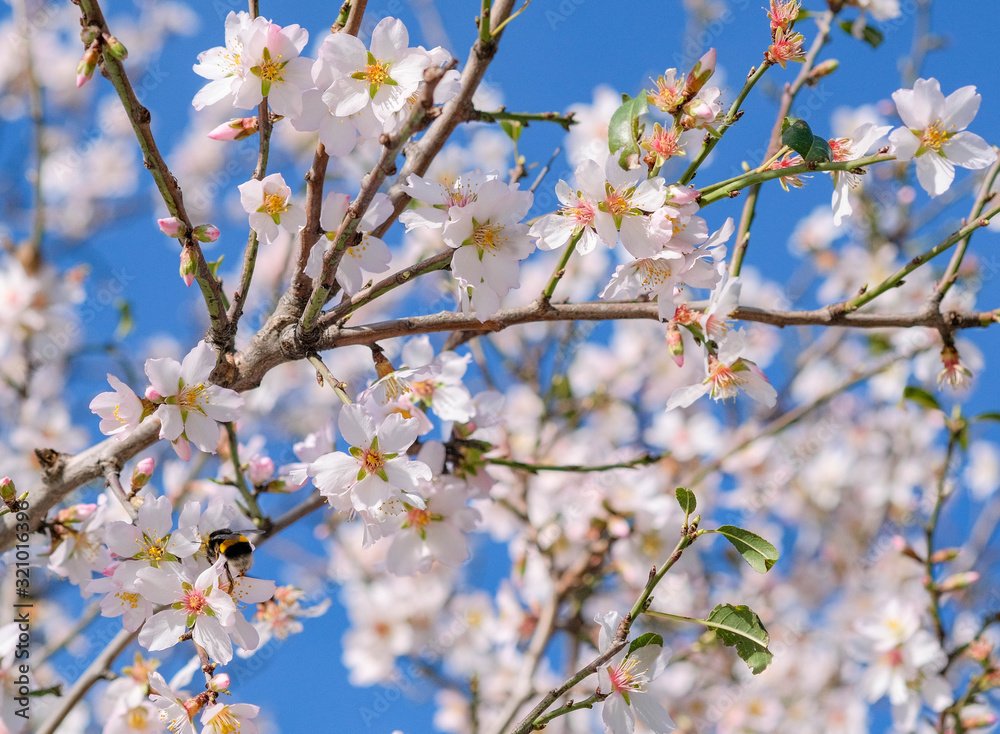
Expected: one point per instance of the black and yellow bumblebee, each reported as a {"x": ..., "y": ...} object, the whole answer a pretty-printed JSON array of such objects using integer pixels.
[{"x": 235, "y": 547}]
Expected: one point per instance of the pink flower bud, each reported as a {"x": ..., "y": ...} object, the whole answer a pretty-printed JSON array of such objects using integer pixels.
[
  {"x": 206, "y": 233},
  {"x": 236, "y": 129},
  {"x": 219, "y": 683},
  {"x": 142, "y": 472},
  {"x": 7, "y": 490},
  {"x": 945, "y": 554},
  {"x": 85, "y": 69},
  {"x": 188, "y": 266},
  {"x": 171, "y": 226},
  {"x": 701, "y": 73},
  {"x": 958, "y": 581},
  {"x": 675, "y": 344},
  {"x": 260, "y": 469},
  {"x": 152, "y": 395}
]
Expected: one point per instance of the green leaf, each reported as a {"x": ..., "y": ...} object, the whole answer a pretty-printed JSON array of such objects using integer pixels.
[
  {"x": 872, "y": 36},
  {"x": 214, "y": 265},
  {"x": 756, "y": 551},
  {"x": 921, "y": 397},
  {"x": 686, "y": 499},
  {"x": 624, "y": 131},
  {"x": 797, "y": 135},
  {"x": 741, "y": 628},
  {"x": 987, "y": 417},
  {"x": 650, "y": 638},
  {"x": 819, "y": 151},
  {"x": 512, "y": 128},
  {"x": 125, "y": 321}
]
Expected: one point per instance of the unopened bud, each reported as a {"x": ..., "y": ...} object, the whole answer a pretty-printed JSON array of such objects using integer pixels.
[
  {"x": 142, "y": 473},
  {"x": 206, "y": 233},
  {"x": 675, "y": 344},
  {"x": 958, "y": 581},
  {"x": 171, "y": 226},
  {"x": 7, "y": 490},
  {"x": 89, "y": 34},
  {"x": 979, "y": 649},
  {"x": 979, "y": 722},
  {"x": 822, "y": 69},
  {"x": 236, "y": 129},
  {"x": 115, "y": 47},
  {"x": 260, "y": 469},
  {"x": 85, "y": 69},
  {"x": 189, "y": 266},
  {"x": 152, "y": 395},
  {"x": 900, "y": 544},
  {"x": 219, "y": 683},
  {"x": 945, "y": 554},
  {"x": 700, "y": 74}
]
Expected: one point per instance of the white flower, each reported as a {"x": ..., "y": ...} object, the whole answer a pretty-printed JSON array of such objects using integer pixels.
[
  {"x": 383, "y": 79},
  {"x": 374, "y": 479},
  {"x": 268, "y": 202},
  {"x": 575, "y": 216},
  {"x": 120, "y": 411},
  {"x": 934, "y": 133},
  {"x": 624, "y": 199},
  {"x": 223, "y": 64},
  {"x": 199, "y": 606},
  {"x": 189, "y": 406},
  {"x": 171, "y": 705},
  {"x": 223, "y": 718},
  {"x": 151, "y": 539},
  {"x": 849, "y": 149},
  {"x": 274, "y": 70},
  {"x": 371, "y": 255},
  {"x": 625, "y": 679},
  {"x": 490, "y": 240},
  {"x": 656, "y": 276},
  {"x": 728, "y": 373},
  {"x": 441, "y": 198},
  {"x": 120, "y": 596}
]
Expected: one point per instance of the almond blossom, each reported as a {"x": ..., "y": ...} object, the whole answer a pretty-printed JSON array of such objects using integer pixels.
[
  {"x": 223, "y": 64},
  {"x": 728, "y": 374},
  {"x": 190, "y": 407},
  {"x": 223, "y": 718},
  {"x": 371, "y": 255},
  {"x": 197, "y": 605},
  {"x": 623, "y": 198},
  {"x": 574, "y": 217},
  {"x": 270, "y": 56},
  {"x": 935, "y": 135},
  {"x": 375, "y": 477},
  {"x": 121, "y": 411},
  {"x": 382, "y": 78},
  {"x": 849, "y": 149},
  {"x": 625, "y": 679},
  {"x": 268, "y": 202}
]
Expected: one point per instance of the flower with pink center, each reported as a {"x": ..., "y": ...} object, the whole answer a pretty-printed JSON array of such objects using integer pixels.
[
  {"x": 197, "y": 605},
  {"x": 191, "y": 407},
  {"x": 935, "y": 133},
  {"x": 441, "y": 198},
  {"x": 655, "y": 276},
  {"x": 374, "y": 476},
  {"x": 786, "y": 46},
  {"x": 728, "y": 374},
  {"x": 273, "y": 68},
  {"x": 120, "y": 411},
  {"x": 669, "y": 93},
  {"x": 955, "y": 374},
  {"x": 625, "y": 679},
  {"x": 783, "y": 14},
  {"x": 575, "y": 217},
  {"x": 663, "y": 143},
  {"x": 624, "y": 200},
  {"x": 849, "y": 149},
  {"x": 787, "y": 161}
]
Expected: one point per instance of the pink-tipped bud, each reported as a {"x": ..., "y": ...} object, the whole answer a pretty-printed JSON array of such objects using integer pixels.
[
  {"x": 206, "y": 233},
  {"x": 7, "y": 490},
  {"x": 152, "y": 395},
  {"x": 681, "y": 195},
  {"x": 115, "y": 47},
  {"x": 171, "y": 226},
  {"x": 188, "y": 266},
  {"x": 700, "y": 74},
  {"x": 978, "y": 722},
  {"x": 979, "y": 649},
  {"x": 85, "y": 69},
  {"x": 236, "y": 129},
  {"x": 958, "y": 581},
  {"x": 219, "y": 683},
  {"x": 260, "y": 469},
  {"x": 675, "y": 344},
  {"x": 142, "y": 473}
]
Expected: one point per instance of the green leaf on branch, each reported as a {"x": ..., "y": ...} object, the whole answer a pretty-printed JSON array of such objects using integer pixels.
[
  {"x": 512, "y": 128},
  {"x": 624, "y": 131},
  {"x": 687, "y": 501},
  {"x": 987, "y": 417},
  {"x": 921, "y": 397},
  {"x": 741, "y": 628},
  {"x": 649, "y": 638},
  {"x": 819, "y": 151},
  {"x": 124, "y": 318},
  {"x": 756, "y": 551},
  {"x": 872, "y": 36},
  {"x": 798, "y": 136}
]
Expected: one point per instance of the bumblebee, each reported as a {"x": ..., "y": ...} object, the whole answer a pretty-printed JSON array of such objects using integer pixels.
[{"x": 235, "y": 547}]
